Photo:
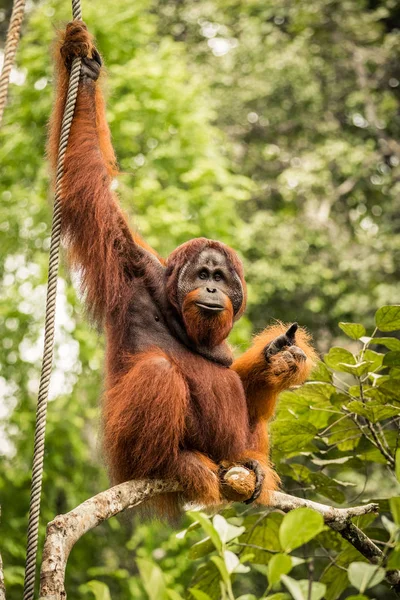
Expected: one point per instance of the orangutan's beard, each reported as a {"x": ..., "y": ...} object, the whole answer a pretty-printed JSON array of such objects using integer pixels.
[{"x": 206, "y": 328}]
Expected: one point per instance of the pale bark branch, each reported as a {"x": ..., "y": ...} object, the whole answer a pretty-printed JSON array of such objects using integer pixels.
[{"x": 65, "y": 530}]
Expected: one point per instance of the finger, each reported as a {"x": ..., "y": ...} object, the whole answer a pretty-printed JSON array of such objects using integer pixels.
[
  {"x": 291, "y": 332},
  {"x": 298, "y": 353},
  {"x": 276, "y": 345},
  {"x": 254, "y": 466},
  {"x": 96, "y": 56},
  {"x": 90, "y": 68}
]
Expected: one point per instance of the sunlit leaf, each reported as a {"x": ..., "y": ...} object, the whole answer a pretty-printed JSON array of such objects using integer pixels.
[
  {"x": 206, "y": 579},
  {"x": 262, "y": 532},
  {"x": 99, "y": 590},
  {"x": 364, "y": 575},
  {"x": 226, "y": 531},
  {"x": 336, "y": 357},
  {"x": 358, "y": 369},
  {"x": 373, "y": 411},
  {"x": 199, "y": 594},
  {"x": 299, "y": 527},
  {"x": 394, "y": 504},
  {"x": 280, "y": 564},
  {"x": 374, "y": 358},
  {"x": 288, "y": 435},
  {"x": 208, "y": 527},
  {"x": 387, "y": 318},
  {"x": 398, "y": 464},
  {"x": 222, "y": 568},
  {"x": 394, "y": 558},
  {"x": 353, "y": 330},
  {"x": 152, "y": 579},
  {"x": 392, "y": 359},
  {"x": 389, "y": 342},
  {"x": 300, "y": 589},
  {"x": 202, "y": 548},
  {"x": 174, "y": 595},
  {"x": 321, "y": 373}
]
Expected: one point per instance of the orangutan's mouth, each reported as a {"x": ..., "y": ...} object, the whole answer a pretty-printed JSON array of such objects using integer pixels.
[{"x": 214, "y": 307}]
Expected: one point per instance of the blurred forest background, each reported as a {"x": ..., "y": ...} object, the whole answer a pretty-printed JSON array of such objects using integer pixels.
[{"x": 274, "y": 127}]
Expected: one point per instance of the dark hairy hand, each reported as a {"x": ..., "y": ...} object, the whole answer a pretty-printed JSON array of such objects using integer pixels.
[
  {"x": 78, "y": 44},
  {"x": 285, "y": 343},
  {"x": 254, "y": 465}
]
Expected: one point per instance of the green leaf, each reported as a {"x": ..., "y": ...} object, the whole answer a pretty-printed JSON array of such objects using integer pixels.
[
  {"x": 289, "y": 435},
  {"x": 323, "y": 484},
  {"x": 375, "y": 358},
  {"x": 207, "y": 526},
  {"x": 398, "y": 464},
  {"x": 310, "y": 404},
  {"x": 206, "y": 579},
  {"x": 390, "y": 388},
  {"x": 390, "y": 527},
  {"x": 364, "y": 576},
  {"x": 345, "y": 434},
  {"x": 337, "y": 357},
  {"x": 300, "y": 589},
  {"x": 280, "y": 564},
  {"x": 199, "y": 594},
  {"x": 299, "y": 527},
  {"x": 354, "y": 390},
  {"x": 263, "y": 533},
  {"x": 372, "y": 411},
  {"x": 233, "y": 564},
  {"x": 293, "y": 586},
  {"x": 99, "y": 590},
  {"x": 321, "y": 373},
  {"x": 353, "y": 330},
  {"x": 318, "y": 589},
  {"x": 173, "y": 595},
  {"x": 387, "y": 318},
  {"x": 226, "y": 531},
  {"x": 357, "y": 597},
  {"x": 394, "y": 559},
  {"x": 201, "y": 548},
  {"x": 152, "y": 579},
  {"x": 358, "y": 369},
  {"x": 389, "y": 342},
  {"x": 392, "y": 359},
  {"x": 394, "y": 504},
  {"x": 220, "y": 564}
]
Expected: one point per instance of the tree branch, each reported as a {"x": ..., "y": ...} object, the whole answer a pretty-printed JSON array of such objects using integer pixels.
[{"x": 65, "y": 530}]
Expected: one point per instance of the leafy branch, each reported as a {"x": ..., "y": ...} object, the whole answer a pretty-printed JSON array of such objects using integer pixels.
[{"x": 65, "y": 530}]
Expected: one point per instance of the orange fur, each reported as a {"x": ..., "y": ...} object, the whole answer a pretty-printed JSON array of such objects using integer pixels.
[
  {"x": 89, "y": 166},
  {"x": 263, "y": 381},
  {"x": 170, "y": 410},
  {"x": 210, "y": 330}
]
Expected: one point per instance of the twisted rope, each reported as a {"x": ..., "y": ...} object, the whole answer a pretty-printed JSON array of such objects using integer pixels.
[
  {"x": 38, "y": 452},
  {"x": 10, "y": 50}
]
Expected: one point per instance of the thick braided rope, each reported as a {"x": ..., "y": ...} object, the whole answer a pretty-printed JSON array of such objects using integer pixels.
[
  {"x": 10, "y": 50},
  {"x": 38, "y": 453}
]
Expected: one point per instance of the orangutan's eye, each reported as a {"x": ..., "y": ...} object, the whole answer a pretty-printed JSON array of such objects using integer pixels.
[
  {"x": 218, "y": 276},
  {"x": 203, "y": 274}
]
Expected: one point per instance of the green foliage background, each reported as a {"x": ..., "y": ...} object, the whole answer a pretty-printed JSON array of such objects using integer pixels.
[{"x": 273, "y": 127}]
